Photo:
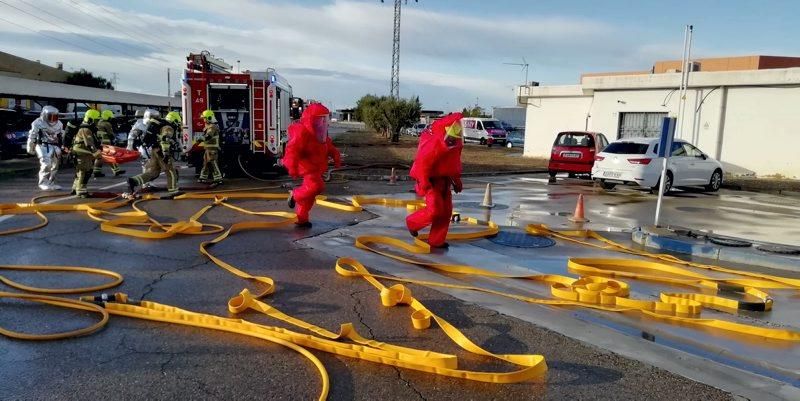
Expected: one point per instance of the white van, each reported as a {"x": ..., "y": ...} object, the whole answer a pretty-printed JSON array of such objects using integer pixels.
[{"x": 486, "y": 131}]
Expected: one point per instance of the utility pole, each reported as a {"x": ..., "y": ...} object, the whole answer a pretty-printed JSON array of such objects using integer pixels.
[
  {"x": 394, "y": 90},
  {"x": 169, "y": 89},
  {"x": 114, "y": 79}
]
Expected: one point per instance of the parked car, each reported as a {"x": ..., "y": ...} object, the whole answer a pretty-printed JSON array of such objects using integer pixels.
[
  {"x": 486, "y": 131},
  {"x": 515, "y": 139},
  {"x": 574, "y": 152},
  {"x": 14, "y": 127},
  {"x": 416, "y": 129},
  {"x": 635, "y": 161}
]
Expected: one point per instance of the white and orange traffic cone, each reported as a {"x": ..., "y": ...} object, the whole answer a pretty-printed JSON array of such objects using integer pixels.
[
  {"x": 393, "y": 178},
  {"x": 578, "y": 216}
]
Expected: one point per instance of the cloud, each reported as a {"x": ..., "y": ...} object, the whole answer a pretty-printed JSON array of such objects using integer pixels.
[{"x": 337, "y": 50}]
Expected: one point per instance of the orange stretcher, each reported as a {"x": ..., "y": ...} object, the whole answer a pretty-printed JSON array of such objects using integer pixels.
[{"x": 115, "y": 154}]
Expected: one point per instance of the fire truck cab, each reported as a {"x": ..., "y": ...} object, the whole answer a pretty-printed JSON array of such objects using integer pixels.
[{"x": 252, "y": 109}]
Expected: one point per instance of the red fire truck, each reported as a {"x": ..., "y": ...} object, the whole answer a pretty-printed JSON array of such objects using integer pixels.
[{"x": 251, "y": 107}]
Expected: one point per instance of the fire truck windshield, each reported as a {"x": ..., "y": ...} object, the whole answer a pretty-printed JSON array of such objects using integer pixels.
[{"x": 229, "y": 98}]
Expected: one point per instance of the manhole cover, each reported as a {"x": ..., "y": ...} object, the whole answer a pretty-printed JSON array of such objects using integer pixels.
[
  {"x": 521, "y": 240},
  {"x": 783, "y": 250},
  {"x": 477, "y": 205}
]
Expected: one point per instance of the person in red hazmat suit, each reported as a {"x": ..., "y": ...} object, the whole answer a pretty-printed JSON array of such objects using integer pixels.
[
  {"x": 306, "y": 156},
  {"x": 436, "y": 167}
]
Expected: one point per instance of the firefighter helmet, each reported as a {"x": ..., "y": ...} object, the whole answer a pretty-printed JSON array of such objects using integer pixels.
[
  {"x": 208, "y": 116},
  {"x": 107, "y": 115},
  {"x": 91, "y": 116},
  {"x": 174, "y": 117}
]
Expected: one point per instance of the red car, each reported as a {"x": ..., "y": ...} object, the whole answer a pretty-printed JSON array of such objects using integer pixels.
[{"x": 574, "y": 151}]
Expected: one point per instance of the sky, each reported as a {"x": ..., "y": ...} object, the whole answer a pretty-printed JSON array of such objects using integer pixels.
[{"x": 452, "y": 53}]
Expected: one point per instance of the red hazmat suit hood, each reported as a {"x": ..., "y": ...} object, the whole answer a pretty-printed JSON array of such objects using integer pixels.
[
  {"x": 309, "y": 146},
  {"x": 434, "y": 158},
  {"x": 312, "y": 119},
  {"x": 439, "y": 127}
]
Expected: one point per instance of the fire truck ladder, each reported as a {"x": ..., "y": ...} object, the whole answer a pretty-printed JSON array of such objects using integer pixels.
[{"x": 259, "y": 144}]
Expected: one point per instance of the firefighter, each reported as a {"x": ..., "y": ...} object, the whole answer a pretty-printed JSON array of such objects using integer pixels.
[
  {"x": 437, "y": 167},
  {"x": 105, "y": 133},
  {"x": 44, "y": 141},
  {"x": 136, "y": 134},
  {"x": 211, "y": 145},
  {"x": 307, "y": 154},
  {"x": 151, "y": 145},
  {"x": 86, "y": 151},
  {"x": 169, "y": 146}
]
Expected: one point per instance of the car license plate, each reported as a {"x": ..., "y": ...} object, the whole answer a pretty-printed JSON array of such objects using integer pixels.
[
  {"x": 571, "y": 155},
  {"x": 612, "y": 174}
]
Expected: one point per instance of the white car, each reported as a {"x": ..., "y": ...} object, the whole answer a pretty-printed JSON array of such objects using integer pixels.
[
  {"x": 416, "y": 129},
  {"x": 636, "y": 161}
]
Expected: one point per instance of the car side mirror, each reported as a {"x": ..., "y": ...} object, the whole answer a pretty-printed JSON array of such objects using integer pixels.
[{"x": 703, "y": 156}]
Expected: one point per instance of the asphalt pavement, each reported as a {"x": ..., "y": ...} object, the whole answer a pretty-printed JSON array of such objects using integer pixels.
[{"x": 132, "y": 359}]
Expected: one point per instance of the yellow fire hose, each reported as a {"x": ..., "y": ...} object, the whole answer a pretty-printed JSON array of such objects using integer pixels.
[
  {"x": 124, "y": 223},
  {"x": 597, "y": 288}
]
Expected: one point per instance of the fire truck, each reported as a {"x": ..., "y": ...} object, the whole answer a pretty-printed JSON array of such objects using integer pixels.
[{"x": 252, "y": 109}]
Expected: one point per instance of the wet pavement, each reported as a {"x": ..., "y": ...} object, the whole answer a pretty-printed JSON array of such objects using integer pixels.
[
  {"x": 525, "y": 200},
  {"x": 136, "y": 359},
  {"x": 756, "y": 216}
]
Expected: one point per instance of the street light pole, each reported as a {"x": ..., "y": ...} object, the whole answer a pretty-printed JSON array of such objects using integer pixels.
[{"x": 666, "y": 143}]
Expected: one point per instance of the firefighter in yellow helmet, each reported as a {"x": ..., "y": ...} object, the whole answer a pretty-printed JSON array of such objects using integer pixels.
[
  {"x": 211, "y": 146},
  {"x": 169, "y": 147},
  {"x": 158, "y": 141},
  {"x": 105, "y": 133},
  {"x": 86, "y": 151}
]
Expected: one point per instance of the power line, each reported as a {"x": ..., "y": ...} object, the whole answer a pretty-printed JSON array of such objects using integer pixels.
[
  {"x": 63, "y": 28},
  {"x": 114, "y": 13},
  {"x": 79, "y": 7},
  {"x": 91, "y": 51},
  {"x": 46, "y": 35},
  {"x": 130, "y": 33}
]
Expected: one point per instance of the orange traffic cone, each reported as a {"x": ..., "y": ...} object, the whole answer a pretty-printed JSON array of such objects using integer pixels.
[{"x": 578, "y": 216}]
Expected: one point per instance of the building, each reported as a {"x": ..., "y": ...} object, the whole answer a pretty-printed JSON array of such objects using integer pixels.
[
  {"x": 425, "y": 116},
  {"x": 18, "y": 67},
  {"x": 428, "y": 116},
  {"x": 30, "y": 85},
  {"x": 743, "y": 111},
  {"x": 513, "y": 116},
  {"x": 11, "y": 65}
]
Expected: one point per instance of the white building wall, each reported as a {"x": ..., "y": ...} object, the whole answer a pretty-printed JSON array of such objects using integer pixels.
[
  {"x": 760, "y": 129},
  {"x": 547, "y": 117}
]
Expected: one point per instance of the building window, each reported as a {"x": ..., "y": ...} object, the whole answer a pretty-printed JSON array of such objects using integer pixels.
[{"x": 638, "y": 125}]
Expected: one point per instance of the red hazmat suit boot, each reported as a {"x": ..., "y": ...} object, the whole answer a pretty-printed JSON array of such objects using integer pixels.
[
  {"x": 436, "y": 213},
  {"x": 307, "y": 154},
  {"x": 305, "y": 195},
  {"x": 437, "y": 165}
]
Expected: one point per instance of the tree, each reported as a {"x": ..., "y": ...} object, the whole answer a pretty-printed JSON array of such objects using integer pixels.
[
  {"x": 363, "y": 105},
  {"x": 86, "y": 78},
  {"x": 475, "y": 111},
  {"x": 388, "y": 115}
]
